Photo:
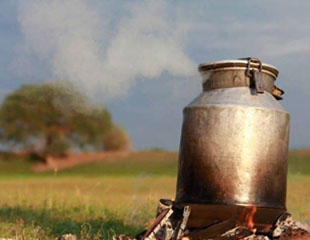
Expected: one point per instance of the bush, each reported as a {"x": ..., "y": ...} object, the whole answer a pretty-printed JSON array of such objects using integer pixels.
[{"x": 116, "y": 139}]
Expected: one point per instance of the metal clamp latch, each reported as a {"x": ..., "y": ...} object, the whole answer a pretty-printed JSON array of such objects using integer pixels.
[{"x": 255, "y": 75}]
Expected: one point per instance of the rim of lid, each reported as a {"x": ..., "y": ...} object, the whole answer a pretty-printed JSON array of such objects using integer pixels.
[{"x": 231, "y": 63}]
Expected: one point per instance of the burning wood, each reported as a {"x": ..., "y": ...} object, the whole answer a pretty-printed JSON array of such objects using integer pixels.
[
  {"x": 247, "y": 217},
  {"x": 171, "y": 224}
]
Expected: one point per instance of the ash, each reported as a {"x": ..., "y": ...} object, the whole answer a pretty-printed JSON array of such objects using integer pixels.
[{"x": 171, "y": 224}]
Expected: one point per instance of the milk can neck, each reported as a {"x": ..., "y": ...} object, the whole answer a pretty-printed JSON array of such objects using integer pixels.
[{"x": 240, "y": 73}]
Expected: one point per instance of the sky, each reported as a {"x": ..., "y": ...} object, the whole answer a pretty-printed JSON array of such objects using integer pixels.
[{"x": 140, "y": 58}]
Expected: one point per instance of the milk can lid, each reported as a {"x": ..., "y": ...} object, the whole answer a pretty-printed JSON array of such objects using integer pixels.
[{"x": 238, "y": 63}]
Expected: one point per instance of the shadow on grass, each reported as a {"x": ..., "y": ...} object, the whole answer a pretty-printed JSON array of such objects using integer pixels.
[{"x": 53, "y": 223}]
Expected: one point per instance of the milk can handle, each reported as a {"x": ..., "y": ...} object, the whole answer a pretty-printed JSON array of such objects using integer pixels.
[
  {"x": 257, "y": 78},
  {"x": 256, "y": 75}
]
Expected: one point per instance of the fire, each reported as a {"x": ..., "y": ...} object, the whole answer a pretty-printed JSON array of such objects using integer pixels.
[{"x": 247, "y": 217}]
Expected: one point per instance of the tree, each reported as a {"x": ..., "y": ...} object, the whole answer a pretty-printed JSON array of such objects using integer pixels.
[
  {"x": 116, "y": 139},
  {"x": 51, "y": 118}
]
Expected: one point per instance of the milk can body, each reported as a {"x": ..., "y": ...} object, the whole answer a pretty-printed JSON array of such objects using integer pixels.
[{"x": 234, "y": 141}]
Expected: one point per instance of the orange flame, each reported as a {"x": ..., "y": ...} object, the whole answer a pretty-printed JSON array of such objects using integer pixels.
[{"x": 247, "y": 217}]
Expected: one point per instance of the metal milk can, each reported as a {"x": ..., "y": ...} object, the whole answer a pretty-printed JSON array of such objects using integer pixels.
[{"x": 234, "y": 143}]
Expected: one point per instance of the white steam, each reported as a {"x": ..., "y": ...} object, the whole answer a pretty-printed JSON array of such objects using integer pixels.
[{"x": 70, "y": 37}]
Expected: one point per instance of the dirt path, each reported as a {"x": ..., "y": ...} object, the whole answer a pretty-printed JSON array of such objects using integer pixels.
[{"x": 75, "y": 159}]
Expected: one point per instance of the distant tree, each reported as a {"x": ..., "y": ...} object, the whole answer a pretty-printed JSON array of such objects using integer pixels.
[
  {"x": 51, "y": 118},
  {"x": 116, "y": 139}
]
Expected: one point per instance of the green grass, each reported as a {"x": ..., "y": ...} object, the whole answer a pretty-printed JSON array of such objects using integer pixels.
[
  {"x": 299, "y": 162},
  {"x": 155, "y": 162},
  {"x": 101, "y": 199},
  {"x": 15, "y": 166}
]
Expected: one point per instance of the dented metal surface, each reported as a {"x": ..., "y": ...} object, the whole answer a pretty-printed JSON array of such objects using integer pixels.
[{"x": 234, "y": 142}]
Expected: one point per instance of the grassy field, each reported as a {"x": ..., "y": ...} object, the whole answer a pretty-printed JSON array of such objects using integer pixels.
[{"x": 101, "y": 199}]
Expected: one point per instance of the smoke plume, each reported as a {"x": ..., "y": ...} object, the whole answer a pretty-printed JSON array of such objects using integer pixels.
[{"x": 105, "y": 58}]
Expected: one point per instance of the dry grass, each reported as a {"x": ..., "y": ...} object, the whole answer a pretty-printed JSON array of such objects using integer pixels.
[
  {"x": 103, "y": 198},
  {"x": 298, "y": 197},
  {"x": 101, "y": 205}
]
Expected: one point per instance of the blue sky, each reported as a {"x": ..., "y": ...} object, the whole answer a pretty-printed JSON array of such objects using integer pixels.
[{"x": 140, "y": 57}]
